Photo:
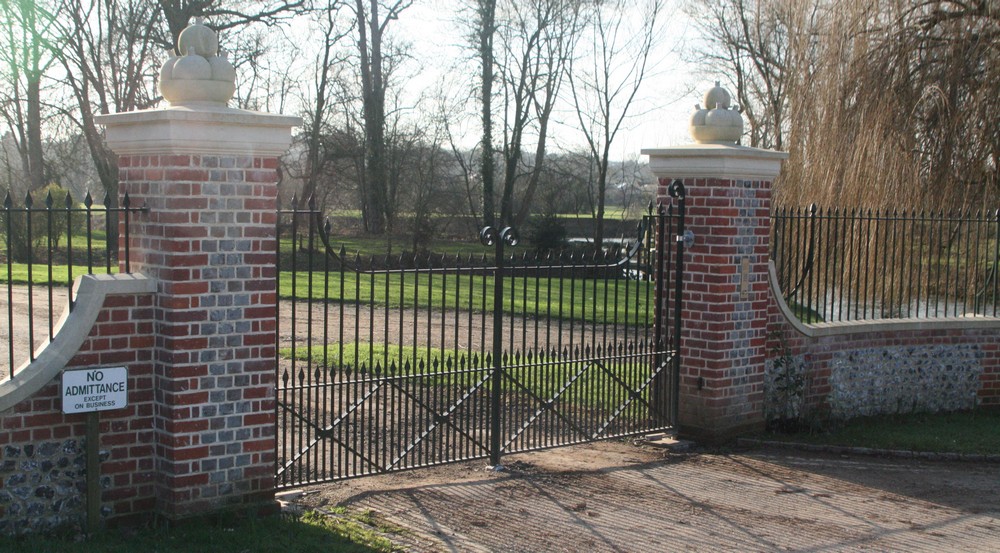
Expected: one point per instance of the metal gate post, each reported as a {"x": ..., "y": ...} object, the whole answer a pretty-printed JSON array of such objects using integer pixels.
[
  {"x": 490, "y": 237},
  {"x": 677, "y": 192}
]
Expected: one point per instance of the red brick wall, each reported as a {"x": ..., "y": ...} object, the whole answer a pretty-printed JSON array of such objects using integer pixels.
[
  {"x": 43, "y": 465},
  {"x": 209, "y": 241},
  {"x": 724, "y": 310}
]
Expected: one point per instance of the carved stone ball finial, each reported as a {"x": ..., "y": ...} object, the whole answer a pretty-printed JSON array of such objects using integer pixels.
[
  {"x": 716, "y": 123},
  {"x": 200, "y": 75}
]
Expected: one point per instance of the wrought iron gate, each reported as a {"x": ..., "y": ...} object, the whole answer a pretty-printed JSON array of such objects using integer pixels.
[{"x": 394, "y": 362}]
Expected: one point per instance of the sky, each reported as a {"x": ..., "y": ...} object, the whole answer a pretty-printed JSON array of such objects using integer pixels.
[{"x": 661, "y": 111}]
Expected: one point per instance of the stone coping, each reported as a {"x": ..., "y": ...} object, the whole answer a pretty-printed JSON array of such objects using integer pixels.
[
  {"x": 715, "y": 161},
  {"x": 72, "y": 329},
  {"x": 198, "y": 128},
  {"x": 879, "y": 326}
]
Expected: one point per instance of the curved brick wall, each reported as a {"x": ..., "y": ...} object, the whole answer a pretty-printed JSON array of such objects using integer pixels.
[
  {"x": 42, "y": 471},
  {"x": 860, "y": 369}
]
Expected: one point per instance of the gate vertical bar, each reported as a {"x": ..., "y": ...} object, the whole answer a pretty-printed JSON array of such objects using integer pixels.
[
  {"x": 496, "y": 379},
  {"x": 490, "y": 237},
  {"x": 678, "y": 193}
]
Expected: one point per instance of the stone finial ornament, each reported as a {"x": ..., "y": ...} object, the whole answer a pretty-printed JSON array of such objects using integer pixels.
[
  {"x": 200, "y": 75},
  {"x": 716, "y": 123}
]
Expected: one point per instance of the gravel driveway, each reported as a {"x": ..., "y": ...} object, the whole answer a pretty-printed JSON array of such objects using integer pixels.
[{"x": 613, "y": 496}]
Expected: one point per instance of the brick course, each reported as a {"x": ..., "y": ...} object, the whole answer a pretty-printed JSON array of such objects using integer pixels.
[
  {"x": 43, "y": 465},
  {"x": 208, "y": 239},
  {"x": 724, "y": 319}
]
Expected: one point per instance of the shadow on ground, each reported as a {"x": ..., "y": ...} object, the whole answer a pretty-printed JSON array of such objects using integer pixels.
[{"x": 614, "y": 496}]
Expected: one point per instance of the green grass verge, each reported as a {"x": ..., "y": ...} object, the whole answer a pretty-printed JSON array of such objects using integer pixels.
[
  {"x": 312, "y": 532},
  {"x": 40, "y": 273},
  {"x": 601, "y": 301},
  {"x": 971, "y": 432},
  {"x": 542, "y": 375}
]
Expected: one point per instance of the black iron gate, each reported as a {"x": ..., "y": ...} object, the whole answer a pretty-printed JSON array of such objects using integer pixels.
[{"x": 394, "y": 362}]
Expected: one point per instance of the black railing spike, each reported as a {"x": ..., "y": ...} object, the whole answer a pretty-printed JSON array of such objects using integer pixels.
[
  {"x": 327, "y": 226},
  {"x": 107, "y": 198},
  {"x": 295, "y": 202},
  {"x": 420, "y": 365},
  {"x": 435, "y": 364},
  {"x": 68, "y": 201},
  {"x": 392, "y": 368},
  {"x": 28, "y": 202},
  {"x": 284, "y": 378},
  {"x": 488, "y": 360},
  {"x": 301, "y": 376},
  {"x": 48, "y": 200},
  {"x": 126, "y": 201},
  {"x": 378, "y": 368},
  {"x": 88, "y": 200},
  {"x": 312, "y": 202},
  {"x": 7, "y": 203},
  {"x": 649, "y": 208}
]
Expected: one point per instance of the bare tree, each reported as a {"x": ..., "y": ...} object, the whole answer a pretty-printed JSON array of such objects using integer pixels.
[
  {"x": 606, "y": 79},
  {"x": 109, "y": 58},
  {"x": 537, "y": 38},
  {"x": 225, "y": 14},
  {"x": 318, "y": 157},
  {"x": 25, "y": 55},
  {"x": 750, "y": 38},
  {"x": 878, "y": 104},
  {"x": 372, "y": 20}
]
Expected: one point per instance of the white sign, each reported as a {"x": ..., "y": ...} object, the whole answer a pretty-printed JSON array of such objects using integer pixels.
[{"x": 87, "y": 390}]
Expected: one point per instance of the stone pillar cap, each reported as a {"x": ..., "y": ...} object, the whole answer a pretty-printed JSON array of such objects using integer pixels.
[
  {"x": 200, "y": 74},
  {"x": 716, "y": 123}
]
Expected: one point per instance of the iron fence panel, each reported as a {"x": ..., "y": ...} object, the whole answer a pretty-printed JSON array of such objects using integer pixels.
[{"x": 401, "y": 361}]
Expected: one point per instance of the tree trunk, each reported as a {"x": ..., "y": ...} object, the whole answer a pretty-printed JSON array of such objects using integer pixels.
[{"x": 487, "y": 17}]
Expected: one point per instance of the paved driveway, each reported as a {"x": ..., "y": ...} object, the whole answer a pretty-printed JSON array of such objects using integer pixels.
[{"x": 614, "y": 496}]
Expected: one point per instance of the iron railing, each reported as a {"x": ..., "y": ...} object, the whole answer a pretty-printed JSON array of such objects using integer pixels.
[
  {"x": 45, "y": 248},
  {"x": 853, "y": 264},
  {"x": 395, "y": 362}
]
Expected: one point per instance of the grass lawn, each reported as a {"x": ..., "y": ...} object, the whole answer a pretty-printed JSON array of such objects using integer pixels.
[
  {"x": 971, "y": 432},
  {"x": 541, "y": 375},
  {"x": 313, "y": 532},
  {"x": 597, "y": 301}
]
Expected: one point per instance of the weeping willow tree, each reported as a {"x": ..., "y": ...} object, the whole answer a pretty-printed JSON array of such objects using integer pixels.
[{"x": 880, "y": 103}]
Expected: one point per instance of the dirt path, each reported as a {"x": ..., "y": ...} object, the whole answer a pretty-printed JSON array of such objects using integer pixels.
[
  {"x": 20, "y": 336},
  {"x": 613, "y": 496}
]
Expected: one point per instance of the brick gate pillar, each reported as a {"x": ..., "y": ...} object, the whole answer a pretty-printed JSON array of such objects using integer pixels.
[
  {"x": 208, "y": 175},
  {"x": 723, "y": 341}
]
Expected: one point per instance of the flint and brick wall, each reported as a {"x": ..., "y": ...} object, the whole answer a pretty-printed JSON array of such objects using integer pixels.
[
  {"x": 42, "y": 471},
  {"x": 867, "y": 369},
  {"x": 208, "y": 241}
]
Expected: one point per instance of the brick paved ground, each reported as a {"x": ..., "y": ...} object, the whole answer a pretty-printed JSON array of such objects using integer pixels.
[{"x": 618, "y": 497}]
